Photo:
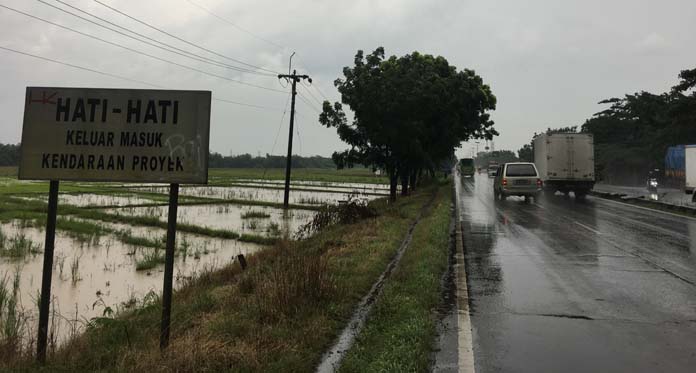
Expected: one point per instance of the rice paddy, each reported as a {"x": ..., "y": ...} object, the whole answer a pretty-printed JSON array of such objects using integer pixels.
[{"x": 110, "y": 240}]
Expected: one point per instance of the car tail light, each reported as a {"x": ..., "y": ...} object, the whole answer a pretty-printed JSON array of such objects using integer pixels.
[
  {"x": 504, "y": 182},
  {"x": 539, "y": 183}
]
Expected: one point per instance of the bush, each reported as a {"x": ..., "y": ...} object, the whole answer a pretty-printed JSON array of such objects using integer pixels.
[{"x": 347, "y": 213}]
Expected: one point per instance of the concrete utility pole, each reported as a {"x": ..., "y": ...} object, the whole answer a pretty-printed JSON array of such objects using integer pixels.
[{"x": 295, "y": 78}]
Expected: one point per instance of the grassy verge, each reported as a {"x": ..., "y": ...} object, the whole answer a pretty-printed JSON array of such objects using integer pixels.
[
  {"x": 279, "y": 315},
  {"x": 399, "y": 334}
]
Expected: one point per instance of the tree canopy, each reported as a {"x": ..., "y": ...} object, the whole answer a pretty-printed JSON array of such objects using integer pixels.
[
  {"x": 409, "y": 113},
  {"x": 633, "y": 133}
]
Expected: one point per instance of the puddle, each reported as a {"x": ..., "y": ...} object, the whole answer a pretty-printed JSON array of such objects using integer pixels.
[
  {"x": 104, "y": 273},
  {"x": 228, "y": 216}
]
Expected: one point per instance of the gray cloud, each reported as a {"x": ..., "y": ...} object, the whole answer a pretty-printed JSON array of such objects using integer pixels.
[{"x": 548, "y": 61}]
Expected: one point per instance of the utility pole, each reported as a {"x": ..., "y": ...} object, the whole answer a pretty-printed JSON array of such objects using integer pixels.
[{"x": 295, "y": 78}]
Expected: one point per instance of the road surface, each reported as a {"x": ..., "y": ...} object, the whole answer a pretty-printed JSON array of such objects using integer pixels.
[
  {"x": 668, "y": 195},
  {"x": 566, "y": 286}
]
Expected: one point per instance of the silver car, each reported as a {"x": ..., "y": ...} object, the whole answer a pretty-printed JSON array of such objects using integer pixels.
[{"x": 517, "y": 179}]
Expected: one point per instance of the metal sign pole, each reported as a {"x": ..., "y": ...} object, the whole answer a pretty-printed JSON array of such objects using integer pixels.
[
  {"x": 42, "y": 340},
  {"x": 169, "y": 266}
]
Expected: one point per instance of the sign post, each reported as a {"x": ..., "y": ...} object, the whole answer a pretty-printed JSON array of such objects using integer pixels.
[
  {"x": 114, "y": 135},
  {"x": 47, "y": 271},
  {"x": 169, "y": 266}
]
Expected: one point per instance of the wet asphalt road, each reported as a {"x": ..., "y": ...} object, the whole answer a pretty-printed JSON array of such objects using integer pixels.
[{"x": 566, "y": 286}]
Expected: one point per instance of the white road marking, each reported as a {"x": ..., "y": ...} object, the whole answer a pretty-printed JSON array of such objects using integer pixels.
[
  {"x": 465, "y": 343},
  {"x": 589, "y": 228}
]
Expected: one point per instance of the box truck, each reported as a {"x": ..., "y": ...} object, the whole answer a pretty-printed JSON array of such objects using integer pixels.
[
  {"x": 565, "y": 162},
  {"x": 466, "y": 166},
  {"x": 690, "y": 169},
  {"x": 674, "y": 166}
]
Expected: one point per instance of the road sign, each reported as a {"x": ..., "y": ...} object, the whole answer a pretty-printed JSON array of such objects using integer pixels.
[{"x": 87, "y": 134}]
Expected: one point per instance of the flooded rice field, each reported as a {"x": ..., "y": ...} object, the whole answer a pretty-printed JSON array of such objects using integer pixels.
[
  {"x": 358, "y": 187},
  {"x": 95, "y": 200},
  {"x": 91, "y": 275},
  {"x": 101, "y": 268},
  {"x": 238, "y": 218},
  {"x": 252, "y": 193}
]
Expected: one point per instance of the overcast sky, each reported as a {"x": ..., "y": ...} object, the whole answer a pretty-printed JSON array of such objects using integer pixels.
[{"x": 548, "y": 61}]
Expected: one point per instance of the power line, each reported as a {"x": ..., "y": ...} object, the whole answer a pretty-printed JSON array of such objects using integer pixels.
[
  {"x": 316, "y": 86},
  {"x": 309, "y": 103},
  {"x": 81, "y": 67},
  {"x": 280, "y": 126},
  {"x": 180, "y": 39},
  {"x": 235, "y": 25},
  {"x": 122, "y": 77},
  {"x": 245, "y": 104},
  {"x": 135, "y": 50},
  {"x": 312, "y": 95},
  {"x": 210, "y": 12},
  {"x": 195, "y": 56}
]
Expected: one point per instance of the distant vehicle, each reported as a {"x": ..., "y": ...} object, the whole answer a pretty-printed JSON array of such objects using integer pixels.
[
  {"x": 517, "y": 179},
  {"x": 690, "y": 170},
  {"x": 653, "y": 181},
  {"x": 565, "y": 162},
  {"x": 492, "y": 168},
  {"x": 675, "y": 167},
  {"x": 466, "y": 167}
]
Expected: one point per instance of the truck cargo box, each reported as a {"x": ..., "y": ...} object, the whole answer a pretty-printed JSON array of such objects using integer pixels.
[
  {"x": 565, "y": 162},
  {"x": 675, "y": 166},
  {"x": 690, "y": 168}
]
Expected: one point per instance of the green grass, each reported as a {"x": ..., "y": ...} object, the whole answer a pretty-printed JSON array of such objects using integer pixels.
[
  {"x": 149, "y": 259},
  {"x": 255, "y": 215},
  {"x": 17, "y": 246},
  {"x": 399, "y": 333},
  {"x": 279, "y": 315}
]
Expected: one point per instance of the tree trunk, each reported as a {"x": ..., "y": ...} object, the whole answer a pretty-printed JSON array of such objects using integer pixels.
[
  {"x": 393, "y": 181},
  {"x": 404, "y": 183},
  {"x": 412, "y": 181}
]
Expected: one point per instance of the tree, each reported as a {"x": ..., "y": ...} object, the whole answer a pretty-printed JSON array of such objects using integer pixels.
[
  {"x": 409, "y": 113},
  {"x": 633, "y": 133},
  {"x": 526, "y": 153}
]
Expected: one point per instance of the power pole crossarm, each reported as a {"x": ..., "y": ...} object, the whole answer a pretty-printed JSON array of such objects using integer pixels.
[{"x": 295, "y": 78}]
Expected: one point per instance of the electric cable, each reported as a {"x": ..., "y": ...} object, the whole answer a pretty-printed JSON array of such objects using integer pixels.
[
  {"x": 141, "y": 52},
  {"x": 181, "y": 39},
  {"x": 195, "y": 56}
]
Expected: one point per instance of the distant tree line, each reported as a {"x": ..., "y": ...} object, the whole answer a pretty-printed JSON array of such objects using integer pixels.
[
  {"x": 632, "y": 135},
  {"x": 409, "y": 114},
  {"x": 499, "y": 156},
  {"x": 9, "y": 156},
  {"x": 217, "y": 160}
]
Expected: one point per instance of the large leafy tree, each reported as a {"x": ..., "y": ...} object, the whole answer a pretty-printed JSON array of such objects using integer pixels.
[
  {"x": 409, "y": 113},
  {"x": 633, "y": 133}
]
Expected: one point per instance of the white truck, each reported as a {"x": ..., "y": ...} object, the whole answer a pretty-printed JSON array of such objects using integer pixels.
[
  {"x": 690, "y": 170},
  {"x": 565, "y": 162}
]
